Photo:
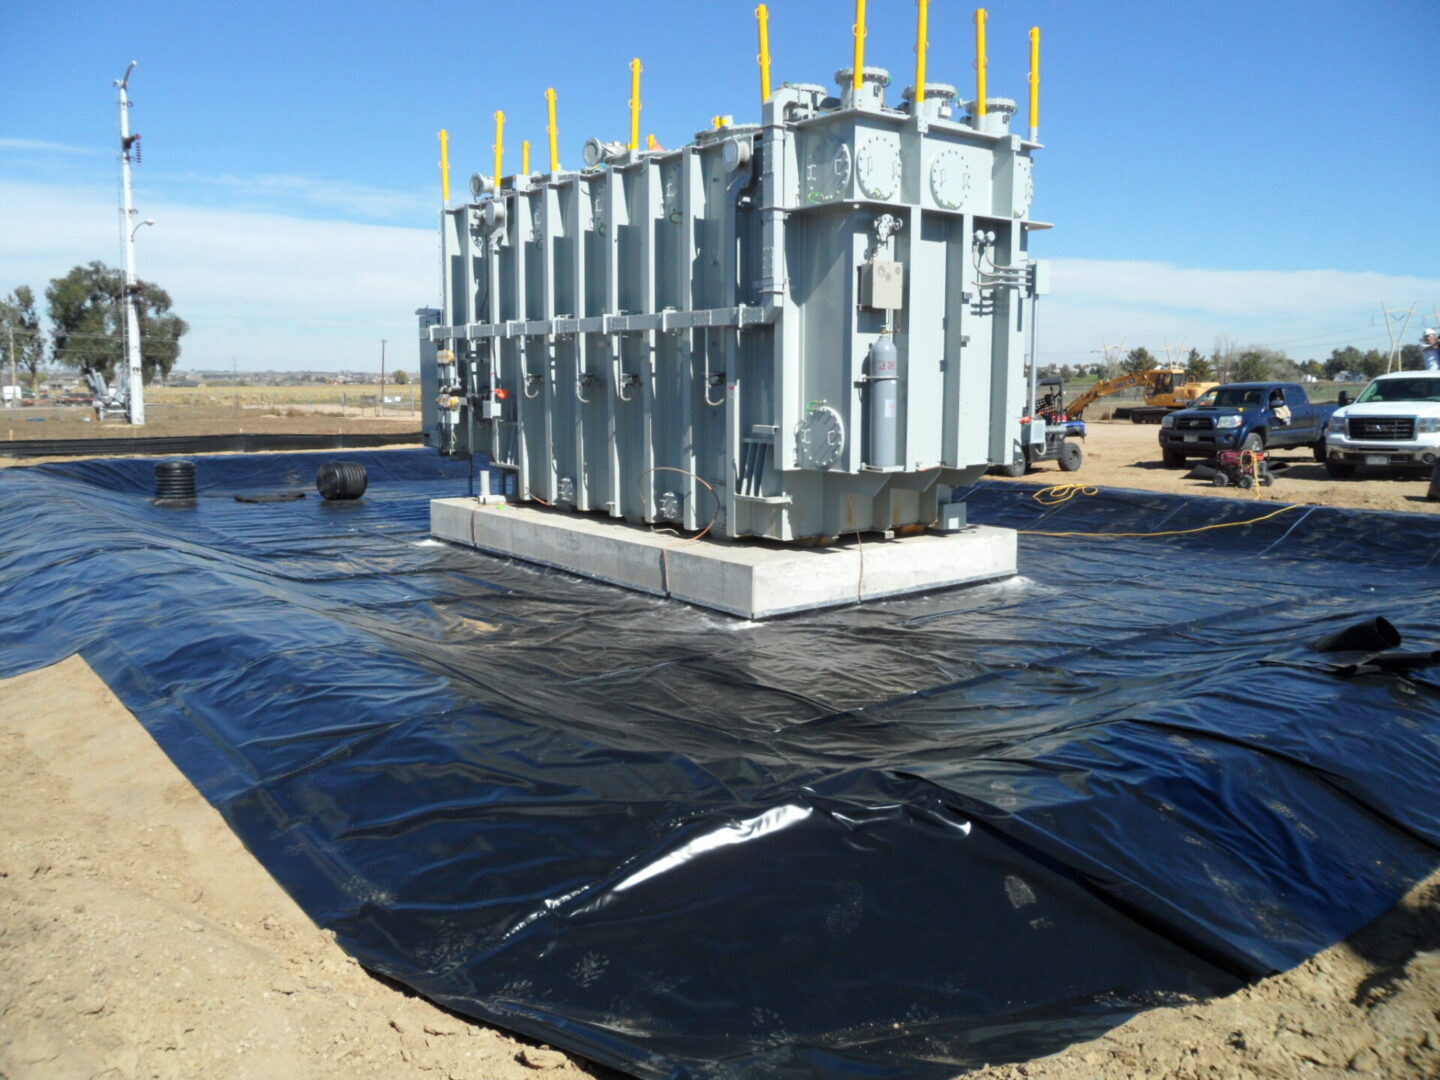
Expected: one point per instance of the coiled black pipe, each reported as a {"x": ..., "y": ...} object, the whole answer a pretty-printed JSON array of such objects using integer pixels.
[
  {"x": 1373, "y": 635},
  {"x": 341, "y": 480},
  {"x": 175, "y": 481}
]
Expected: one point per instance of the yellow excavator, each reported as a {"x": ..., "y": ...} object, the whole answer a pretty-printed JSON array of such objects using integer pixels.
[{"x": 1166, "y": 390}]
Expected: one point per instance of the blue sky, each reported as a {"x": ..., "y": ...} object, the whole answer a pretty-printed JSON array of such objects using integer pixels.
[{"x": 1263, "y": 172}]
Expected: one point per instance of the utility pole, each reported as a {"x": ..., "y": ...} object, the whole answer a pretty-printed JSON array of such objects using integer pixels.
[
  {"x": 381, "y": 406},
  {"x": 136, "y": 399},
  {"x": 1392, "y": 362},
  {"x": 12, "y": 401}
]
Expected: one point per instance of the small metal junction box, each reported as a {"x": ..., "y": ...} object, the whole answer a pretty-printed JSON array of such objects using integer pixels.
[{"x": 882, "y": 285}]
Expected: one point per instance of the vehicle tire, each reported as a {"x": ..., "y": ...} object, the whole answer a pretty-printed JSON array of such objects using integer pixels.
[
  {"x": 1318, "y": 449},
  {"x": 1267, "y": 480},
  {"x": 1246, "y": 482},
  {"x": 1173, "y": 459},
  {"x": 1015, "y": 469},
  {"x": 1071, "y": 457},
  {"x": 1220, "y": 479},
  {"x": 1253, "y": 442},
  {"x": 1339, "y": 470}
]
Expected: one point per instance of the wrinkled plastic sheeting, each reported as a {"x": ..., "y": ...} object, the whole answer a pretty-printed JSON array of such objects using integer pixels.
[{"x": 893, "y": 840}]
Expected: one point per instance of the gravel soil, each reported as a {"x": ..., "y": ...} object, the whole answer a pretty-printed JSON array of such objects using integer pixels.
[{"x": 1125, "y": 455}]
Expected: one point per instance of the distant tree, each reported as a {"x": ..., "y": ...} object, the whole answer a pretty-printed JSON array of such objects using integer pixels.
[
  {"x": 1412, "y": 357},
  {"x": 1280, "y": 366},
  {"x": 1346, "y": 359},
  {"x": 1067, "y": 372},
  {"x": 1224, "y": 356},
  {"x": 20, "y": 327},
  {"x": 1373, "y": 363},
  {"x": 87, "y": 320},
  {"x": 1137, "y": 360},
  {"x": 402, "y": 378},
  {"x": 1249, "y": 366},
  {"x": 1199, "y": 368}
]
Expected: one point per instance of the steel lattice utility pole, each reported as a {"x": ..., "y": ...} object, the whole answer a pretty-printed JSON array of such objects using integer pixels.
[
  {"x": 1397, "y": 338},
  {"x": 136, "y": 399}
]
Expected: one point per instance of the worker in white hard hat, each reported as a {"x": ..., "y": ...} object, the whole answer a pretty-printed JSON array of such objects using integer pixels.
[{"x": 1430, "y": 349}]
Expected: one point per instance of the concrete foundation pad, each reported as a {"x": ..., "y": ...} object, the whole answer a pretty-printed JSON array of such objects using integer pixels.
[{"x": 752, "y": 579}]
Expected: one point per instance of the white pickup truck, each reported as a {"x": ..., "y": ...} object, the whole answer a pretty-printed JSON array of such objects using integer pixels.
[{"x": 1393, "y": 424}]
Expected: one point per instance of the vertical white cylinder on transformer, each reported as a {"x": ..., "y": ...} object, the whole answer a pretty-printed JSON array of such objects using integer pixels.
[{"x": 884, "y": 393}]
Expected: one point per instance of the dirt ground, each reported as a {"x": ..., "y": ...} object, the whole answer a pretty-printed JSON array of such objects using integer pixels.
[
  {"x": 139, "y": 939},
  {"x": 1368, "y": 1007},
  {"x": 77, "y": 422},
  {"x": 1125, "y": 455}
]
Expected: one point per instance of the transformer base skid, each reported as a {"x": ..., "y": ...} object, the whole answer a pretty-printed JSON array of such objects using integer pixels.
[{"x": 753, "y": 580}]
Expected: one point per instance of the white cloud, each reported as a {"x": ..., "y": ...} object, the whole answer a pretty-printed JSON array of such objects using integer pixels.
[
  {"x": 304, "y": 192},
  {"x": 1305, "y": 312},
  {"x": 42, "y": 145},
  {"x": 278, "y": 291},
  {"x": 268, "y": 290}
]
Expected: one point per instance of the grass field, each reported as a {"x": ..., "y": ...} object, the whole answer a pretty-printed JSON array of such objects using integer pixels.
[{"x": 351, "y": 397}]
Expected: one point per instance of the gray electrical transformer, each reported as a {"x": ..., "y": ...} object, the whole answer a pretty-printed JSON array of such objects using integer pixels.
[{"x": 797, "y": 330}]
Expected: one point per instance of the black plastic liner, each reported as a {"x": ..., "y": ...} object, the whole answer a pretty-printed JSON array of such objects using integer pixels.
[{"x": 889, "y": 841}]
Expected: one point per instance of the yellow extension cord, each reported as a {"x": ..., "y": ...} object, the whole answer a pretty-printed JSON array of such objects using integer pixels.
[{"x": 1060, "y": 494}]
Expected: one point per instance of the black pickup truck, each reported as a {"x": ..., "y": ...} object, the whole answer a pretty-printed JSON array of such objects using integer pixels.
[{"x": 1245, "y": 416}]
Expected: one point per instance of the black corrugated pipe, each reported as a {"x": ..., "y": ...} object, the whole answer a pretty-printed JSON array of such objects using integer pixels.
[
  {"x": 1393, "y": 663},
  {"x": 1373, "y": 635},
  {"x": 175, "y": 481},
  {"x": 341, "y": 480}
]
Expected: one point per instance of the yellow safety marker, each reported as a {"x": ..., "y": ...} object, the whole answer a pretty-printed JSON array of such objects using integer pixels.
[
  {"x": 445, "y": 165},
  {"x": 922, "y": 43},
  {"x": 525, "y": 157},
  {"x": 1034, "y": 83},
  {"x": 635, "y": 70},
  {"x": 553, "y": 131},
  {"x": 762, "y": 18},
  {"x": 981, "y": 61},
  {"x": 652, "y": 143},
  {"x": 499, "y": 149},
  {"x": 858, "y": 79}
]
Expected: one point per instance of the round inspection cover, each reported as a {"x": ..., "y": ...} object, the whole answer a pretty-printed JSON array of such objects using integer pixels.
[
  {"x": 828, "y": 173},
  {"x": 819, "y": 438},
  {"x": 879, "y": 168},
  {"x": 949, "y": 179}
]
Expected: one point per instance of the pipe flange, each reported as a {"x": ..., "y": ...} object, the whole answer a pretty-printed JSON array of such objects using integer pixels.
[
  {"x": 846, "y": 76},
  {"x": 932, "y": 90}
]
